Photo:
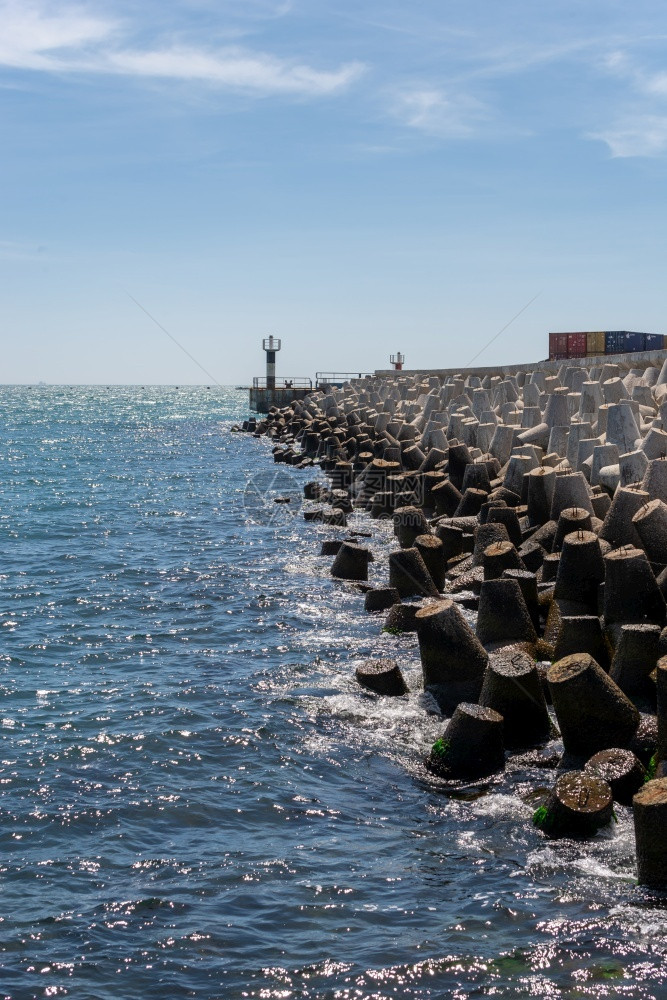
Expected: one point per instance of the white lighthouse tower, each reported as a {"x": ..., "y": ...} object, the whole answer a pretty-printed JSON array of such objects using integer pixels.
[{"x": 271, "y": 345}]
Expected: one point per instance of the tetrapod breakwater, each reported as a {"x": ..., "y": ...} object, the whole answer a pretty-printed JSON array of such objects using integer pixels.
[{"x": 536, "y": 499}]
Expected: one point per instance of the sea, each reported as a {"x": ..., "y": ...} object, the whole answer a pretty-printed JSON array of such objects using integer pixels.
[{"x": 197, "y": 800}]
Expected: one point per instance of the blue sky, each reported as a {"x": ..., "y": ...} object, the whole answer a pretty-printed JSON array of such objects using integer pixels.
[{"x": 355, "y": 178}]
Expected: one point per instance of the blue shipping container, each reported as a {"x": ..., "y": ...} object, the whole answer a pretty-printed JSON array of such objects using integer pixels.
[
  {"x": 612, "y": 342},
  {"x": 654, "y": 341},
  {"x": 634, "y": 341},
  {"x": 623, "y": 342}
]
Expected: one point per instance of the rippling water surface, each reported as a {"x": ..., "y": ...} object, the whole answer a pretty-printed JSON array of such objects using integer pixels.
[{"x": 195, "y": 798}]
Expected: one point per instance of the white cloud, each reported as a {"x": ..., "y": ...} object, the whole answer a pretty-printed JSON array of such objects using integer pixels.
[
  {"x": 640, "y": 128},
  {"x": 438, "y": 113},
  {"x": 30, "y": 32},
  {"x": 44, "y": 38},
  {"x": 235, "y": 68},
  {"x": 656, "y": 83},
  {"x": 644, "y": 135}
]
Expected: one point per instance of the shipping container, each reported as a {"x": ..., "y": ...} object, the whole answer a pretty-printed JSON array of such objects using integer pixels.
[
  {"x": 613, "y": 343},
  {"x": 654, "y": 342},
  {"x": 576, "y": 345},
  {"x": 595, "y": 343},
  {"x": 635, "y": 341},
  {"x": 557, "y": 346}
]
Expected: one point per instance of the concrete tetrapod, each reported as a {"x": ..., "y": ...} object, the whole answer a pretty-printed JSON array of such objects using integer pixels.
[
  {"x": 569, "y": 520},
  {"x": 459, "y": 458},
  {"x": 618, "y": 527},
  {"x": 487, "y": 507},
  {"x": 471, "y": 746},
  {"x": 570, "y": 490},
  {"x": 540, "y": 494},
  {"x": 502, "y": 443},
  {"x": 528, "y": 584},
  {"x": 600, "y": 502},
  {"x": 330, "y": 547},
  {"x": 432, "y": 551},
  {"x": 498, "y": 557},
  {"x": 621, "y": 769},
  {"x": 635, "y": 658},
  {"x": 581, "y": 569},
  {"x": 476, "y": 476},
  {"x": 512, "y": 687},
  {"x": 621, "y": 427},
  {"x": 409, "y": 575},
  {"x": 532, "y": 555},
  {"x": 485, "y": 535},
  {"x": 631, "y": 592},
  {"x": 471, "y": 503},
  {"x": 581, "y": 634},
  {"x": 429, "y": 481},
  {"x": 382, "y": 676},
  {"x": 452, "y": 540},
  {"x": 336, "y": 517},
  {"x": 409, "y": 523},
  {"x": 651, "y": 524},
  {"x": 381, "y": 599},
  {"x": 661, "y": 690},
  {"x": 351, "y": 562},
  {"x": 655, "y": 478},
  {"x": 503, "y": 615},
  {"x": 508, "y": 517},
  {"x": 446, "y": 498},
  {"x": 579, "y": 806},
  {"x": 402, "y": 618},
  {"x": 649, "y": 807},
  {"x": 453, "y": 660},
  {"x": 593, "y": 713}
]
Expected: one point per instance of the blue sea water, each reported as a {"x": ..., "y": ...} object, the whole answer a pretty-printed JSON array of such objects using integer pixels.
[{"x": 196, "y": 800}]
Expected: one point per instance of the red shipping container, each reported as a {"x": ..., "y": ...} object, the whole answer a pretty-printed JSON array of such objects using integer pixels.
[
  {"x": 576, "y": 345},
  {"x": 557, "y": 345}
]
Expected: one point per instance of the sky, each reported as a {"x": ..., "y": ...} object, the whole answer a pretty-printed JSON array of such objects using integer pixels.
[{"x": 356, "y": 177}]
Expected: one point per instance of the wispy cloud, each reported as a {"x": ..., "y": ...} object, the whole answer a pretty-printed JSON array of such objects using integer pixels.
[
  {"x": 437, "y": 112},
  {"x": 41, "y": 37},
  {"x": 235, "y": 68},
  {"x": 640, "y": 126},
  {"x": 637, "y": 135},
  {"x": 518, "y": 59},
  {"x": 32, "y": 34}
]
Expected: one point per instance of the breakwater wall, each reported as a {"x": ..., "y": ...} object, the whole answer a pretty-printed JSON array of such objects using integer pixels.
[
  {"x": 262, "y": 399},
  {"x": 625, "y": 362},
  {"x": 537, "y": 498}
]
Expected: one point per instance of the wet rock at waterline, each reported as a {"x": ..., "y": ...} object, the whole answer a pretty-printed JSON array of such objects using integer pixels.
[
  {"x": 512, "y": 687},
  {"x": 452, "y": 658},
  {"x": 471, "y": 746},
  {"x": 649, "y": 807},
  {"x": 381, "y": 676},
  {"x": 621, "y": 769},
  {"x": 408, "y": 573},
  {"x": 351, "y": 562},
  {"x": 593, "y": 713},
  {"x": 579, "y": 805},
  {"x": 381, "y": 599}
]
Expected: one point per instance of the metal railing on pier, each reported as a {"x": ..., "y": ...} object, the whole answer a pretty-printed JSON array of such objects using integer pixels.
[
  {"x": 284, "y": 383},
  {"x": 337, "y": 379}
]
